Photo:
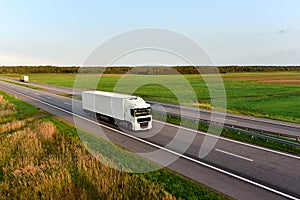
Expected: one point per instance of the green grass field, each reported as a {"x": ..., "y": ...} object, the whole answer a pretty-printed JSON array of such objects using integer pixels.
[
  {"x": 42, "y": 157},
  {"x": 273, "y": 95}
]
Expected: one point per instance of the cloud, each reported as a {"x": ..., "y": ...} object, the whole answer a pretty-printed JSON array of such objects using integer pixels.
[{"x": 283, "y": 31}]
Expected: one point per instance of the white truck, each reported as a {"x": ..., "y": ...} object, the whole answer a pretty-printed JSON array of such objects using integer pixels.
[
  {"x": 24, "y": 79},
  {"x": 123, "y": 110}
]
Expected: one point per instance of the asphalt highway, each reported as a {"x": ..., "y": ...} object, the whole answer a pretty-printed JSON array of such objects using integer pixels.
[
  {"x": 254, "y": 123},
  {"x": 240, "y": 170}
]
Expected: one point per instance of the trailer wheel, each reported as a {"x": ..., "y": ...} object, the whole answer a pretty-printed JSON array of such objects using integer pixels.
[
  {"x": 98, "y": 116},
  {"x": 117, "y": 122}
]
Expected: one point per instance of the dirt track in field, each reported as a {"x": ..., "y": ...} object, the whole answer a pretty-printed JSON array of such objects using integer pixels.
[
  {"x": 265, "y": 78},
  {"x": 284, "y": 82}
]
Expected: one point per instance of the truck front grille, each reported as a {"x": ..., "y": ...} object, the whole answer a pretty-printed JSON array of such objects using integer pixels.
[{"x": 146, "y": 119}]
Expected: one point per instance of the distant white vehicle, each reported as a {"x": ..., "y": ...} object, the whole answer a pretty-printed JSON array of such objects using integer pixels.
[
  {"x": 24, "y": 79},
  {"x": 124, "y": 110}
]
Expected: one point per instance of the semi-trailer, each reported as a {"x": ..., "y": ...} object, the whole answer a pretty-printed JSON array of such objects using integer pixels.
[
  {"x": 128, "y": 111},
  {"x": 24, "y": 79}
]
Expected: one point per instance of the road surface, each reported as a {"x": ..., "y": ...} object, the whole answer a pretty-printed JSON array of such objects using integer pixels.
[{"x": 240, "y": 170}]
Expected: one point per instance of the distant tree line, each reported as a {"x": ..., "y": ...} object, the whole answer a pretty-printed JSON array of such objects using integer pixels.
[
  {"x": 144, "y": 70},
  {"x": 36, "y": 69},
  {"x": 227, "y": 69},
  {"x": 56, "y": 69}
]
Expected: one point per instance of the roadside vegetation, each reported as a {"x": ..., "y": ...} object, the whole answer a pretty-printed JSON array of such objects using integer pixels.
[{"x": 42, "y": 157}]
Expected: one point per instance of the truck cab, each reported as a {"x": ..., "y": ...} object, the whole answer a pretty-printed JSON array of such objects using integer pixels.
[
  {"x": 24, "y": 79},
  {"x": 139, "y": 114}
]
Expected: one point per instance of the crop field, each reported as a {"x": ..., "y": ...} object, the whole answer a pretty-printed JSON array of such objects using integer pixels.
[
  {"x": 41, "y": 157},
  {"x": 273, "y": 95}
]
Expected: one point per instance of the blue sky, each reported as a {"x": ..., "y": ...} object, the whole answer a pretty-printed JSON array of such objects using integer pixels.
[{"x": 234, "y": 32}]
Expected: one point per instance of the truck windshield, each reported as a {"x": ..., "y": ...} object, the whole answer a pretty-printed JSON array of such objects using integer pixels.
[{"x": 142, "y": 112}]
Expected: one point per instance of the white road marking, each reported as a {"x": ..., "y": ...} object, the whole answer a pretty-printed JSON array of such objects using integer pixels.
[
  {"x": 168, "y": 150},
  {"x": 233, "y": 141},
  {"x": 270, "y": 121},
  {"x": 230, "y": 120},
  {"x": 218, "y": 119},
  {"x": 49, "y": 97},
  {"x": 232, "y": 154},
  {"x": 41, "y": 91},
  {"x": 275, "y": 123},
  {"x": 67, "y": 103}
]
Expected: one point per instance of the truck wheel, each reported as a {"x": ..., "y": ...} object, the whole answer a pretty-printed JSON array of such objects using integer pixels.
[
  {"x": 112, "y": 121},
  {"x": 98, "y": 116}
]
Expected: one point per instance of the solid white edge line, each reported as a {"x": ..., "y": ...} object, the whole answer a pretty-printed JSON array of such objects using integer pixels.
[
  {"x": 235, "y": 155},
  {"x": 233, "y": 115},
  {"x": 170, "y": 151},
  {"x": 51, "y": 87},
  {"x": 55, "y": 95},
  {"x": 233, "y": 141}
]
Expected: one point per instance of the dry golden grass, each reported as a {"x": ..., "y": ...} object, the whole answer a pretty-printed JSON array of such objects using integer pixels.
[
  {"x": 14, "y": 125},
  {"x": 4, "y": 104},
  {"x": 45, "y": 130},
  {"x": 6, "y": 108},
  {"x": 2, "y": 100},
  {"x": 284, "y": 82},
  {"x": 204, "y": 105},
  {"x": 4, "y": 113},
  {"x": 38, "y": 162}
]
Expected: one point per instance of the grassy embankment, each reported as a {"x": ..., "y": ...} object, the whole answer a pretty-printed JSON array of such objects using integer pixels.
[
  {"x": 41, "y": 157},
  {"x": 273, "y": 95}
]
